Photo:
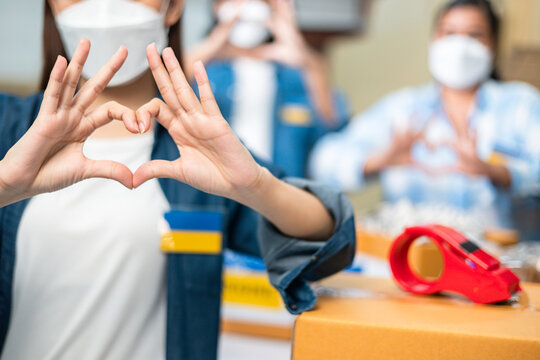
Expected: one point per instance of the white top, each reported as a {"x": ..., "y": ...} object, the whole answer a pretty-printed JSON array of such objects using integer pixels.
[
  {"x": 90, "y": 278},
  {"x": 253, "y": 112}
]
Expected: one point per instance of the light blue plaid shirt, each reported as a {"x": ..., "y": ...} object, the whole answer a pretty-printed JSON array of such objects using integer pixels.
[{"x": 506, "y": 120}]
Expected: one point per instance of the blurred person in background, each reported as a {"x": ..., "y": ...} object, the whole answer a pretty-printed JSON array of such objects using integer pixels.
[
  {"x": 83, "y": 274},
  {"x": 271, "y": 85},
  {"x": 467, "y": 140}
]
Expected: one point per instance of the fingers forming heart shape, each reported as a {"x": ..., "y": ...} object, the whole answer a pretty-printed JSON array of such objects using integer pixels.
[{"x": 137, "y": 122}]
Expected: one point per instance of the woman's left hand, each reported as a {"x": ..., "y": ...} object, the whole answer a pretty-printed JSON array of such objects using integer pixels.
[
  {"x": 469, "y": 162},
  {"x": 212, "y": 159}
]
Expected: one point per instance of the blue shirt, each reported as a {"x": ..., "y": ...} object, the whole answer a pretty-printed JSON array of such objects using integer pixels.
[
  {"x": 505, "y": 119},
  {"x": 194, "y": 282},
  {"x": 292, "y": 140}
]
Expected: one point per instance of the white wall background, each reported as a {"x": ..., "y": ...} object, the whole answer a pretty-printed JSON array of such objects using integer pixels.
[{"x": 20, "y": 44}]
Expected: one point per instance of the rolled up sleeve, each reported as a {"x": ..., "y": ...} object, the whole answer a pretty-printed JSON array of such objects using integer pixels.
[{"x": 293, "y": 263}]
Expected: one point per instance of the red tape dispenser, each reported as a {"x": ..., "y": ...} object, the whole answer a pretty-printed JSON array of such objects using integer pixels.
[{"x": 468, "y": 270}]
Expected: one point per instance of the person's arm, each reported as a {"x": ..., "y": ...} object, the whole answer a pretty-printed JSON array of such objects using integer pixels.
[
  {"x": 524, "y": 168},
  {"x": 364, "y": 147},
  {"x": 320, "y": 87},
  {"x": 213, "y": 160},
  {"x": 4, "y": 197},
  {"x": 290, "y": 48},
  {"x": 397, "y": 153},
  {"x": 518, "y": 171},
  {"x": 500, "y": 176},
  {"x": 293, "y": 263},
  {"x": 470, "y": 163},
  {"x": 295, "y": 212},
  {"x": 49, "y": 155},
  {"x": 209, "y": 48}
]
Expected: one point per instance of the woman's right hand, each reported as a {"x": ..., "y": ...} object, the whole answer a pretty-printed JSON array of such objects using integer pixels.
[
  {"x": 397, "y": 154},
  {"x": 50, "y": 155}
]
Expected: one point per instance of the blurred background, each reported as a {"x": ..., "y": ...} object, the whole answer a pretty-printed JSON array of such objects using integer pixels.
[{"x": 389, "y": 50}]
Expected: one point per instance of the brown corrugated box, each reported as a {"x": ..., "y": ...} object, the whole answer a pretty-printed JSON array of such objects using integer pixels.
[
  {"x": 522, "y": 65},
  {"x": 251, "y": 306},
  {"x": 374, "y": 319}
]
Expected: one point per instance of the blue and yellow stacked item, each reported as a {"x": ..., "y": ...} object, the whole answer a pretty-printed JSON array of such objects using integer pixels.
[
  {"x": 246, "y": 282},
  {"x": 195, "y": 232},
  {"x": 251, "y": 305}
]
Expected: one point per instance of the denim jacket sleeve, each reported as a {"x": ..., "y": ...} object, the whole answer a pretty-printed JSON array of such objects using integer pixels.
[
  {"x": 293, "y": 263},
  {"x": 16, "y": 116}
]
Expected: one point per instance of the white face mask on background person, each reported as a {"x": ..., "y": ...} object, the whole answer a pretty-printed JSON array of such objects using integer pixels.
[
  {"x": 250, "y": 30},
  {"x": 109, "y": 24},
  {"x": 459, "y": 62}
]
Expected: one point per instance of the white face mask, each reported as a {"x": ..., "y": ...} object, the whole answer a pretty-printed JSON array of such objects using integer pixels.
[
  {"x": 109, "y": 24},
  {"x": 249, "y": 30},
  {"x": 459, "y": 62}
]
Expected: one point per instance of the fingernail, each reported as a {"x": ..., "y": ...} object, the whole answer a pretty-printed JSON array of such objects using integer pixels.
[{"x": 141, "y": 128}]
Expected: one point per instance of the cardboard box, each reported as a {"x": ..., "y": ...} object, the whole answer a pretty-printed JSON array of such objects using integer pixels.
[
  {"x": 374, "y": 319},
  {"x": 372, "y": 243},
  {"x": 251, "y": 305},
  {"x": 522, "y": 65}
]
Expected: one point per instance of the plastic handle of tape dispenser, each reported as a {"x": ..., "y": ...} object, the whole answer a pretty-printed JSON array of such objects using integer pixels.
[{"x": 468, "y": 270}]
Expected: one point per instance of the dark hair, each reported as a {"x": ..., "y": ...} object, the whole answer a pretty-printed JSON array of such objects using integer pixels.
[
  {"x": 52, "y": 43},
  {"x": 491, "y": 16}
]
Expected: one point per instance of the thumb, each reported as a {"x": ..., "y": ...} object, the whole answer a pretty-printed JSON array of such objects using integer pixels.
[
  {"x": 266, "y": 52},
  {"x": 155, "y": 169},
  {"x": 109, "y": 170}
]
